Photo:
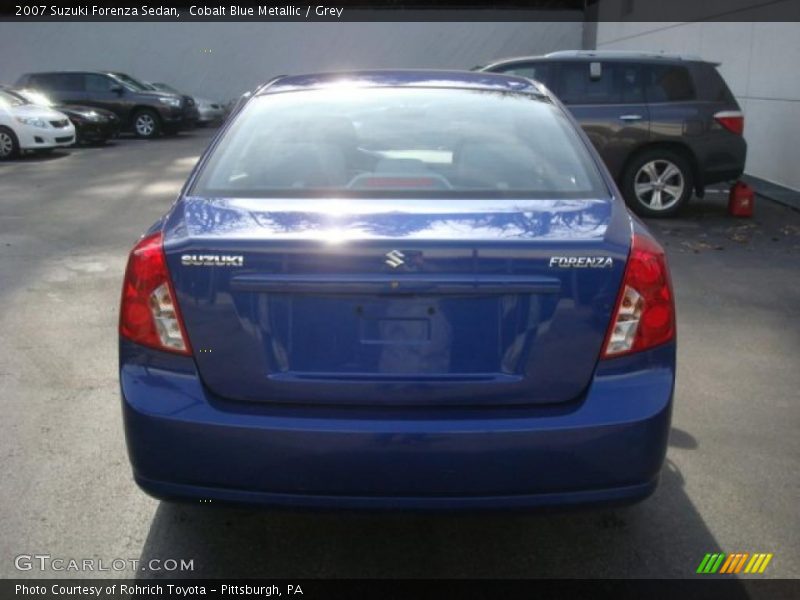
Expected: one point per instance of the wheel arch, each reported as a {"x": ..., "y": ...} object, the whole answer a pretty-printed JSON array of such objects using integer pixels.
[
  {"x": 143, "y": 107},
  {"x": 9, "y": 130},
  {"x": 14, "y": 139},
  {"x": 679, "y": 148}
]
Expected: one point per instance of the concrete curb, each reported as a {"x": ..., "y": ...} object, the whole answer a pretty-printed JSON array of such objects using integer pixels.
[{"x": 773, "y": 191}]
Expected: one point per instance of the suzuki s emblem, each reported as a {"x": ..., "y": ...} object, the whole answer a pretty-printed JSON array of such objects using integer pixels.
[{"x": 395, "y": 258}]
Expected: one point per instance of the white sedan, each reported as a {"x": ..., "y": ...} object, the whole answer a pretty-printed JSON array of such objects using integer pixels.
[{"x": 28, "y": 127}]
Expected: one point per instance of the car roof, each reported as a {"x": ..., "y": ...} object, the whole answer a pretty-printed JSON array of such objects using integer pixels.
[
  {"x": 610, "y": 55},
  {"x": 405, "y": 78},
  {"x": 69, "y": 72}
]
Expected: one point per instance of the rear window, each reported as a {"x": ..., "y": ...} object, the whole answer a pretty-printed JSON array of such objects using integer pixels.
[
  {"x": 542, "y": 72},
  {"x": 11, "y": 99},
  {"x": 613, "y": 83},
  {"x": 711, "y": 86},
  {"x": 668, "y": 83},
  {"x": 57, "y": 82},
  {"x": 576, "y": 86},
  {"x": 407, "y": 142},
  {"x": 98, "y": 83},
  {"x": 131, "y": 83}
]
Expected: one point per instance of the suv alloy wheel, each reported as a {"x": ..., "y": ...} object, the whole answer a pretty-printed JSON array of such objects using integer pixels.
[
  {"x": 146, "y": 124},
  {"x": 657, "y": 183}
]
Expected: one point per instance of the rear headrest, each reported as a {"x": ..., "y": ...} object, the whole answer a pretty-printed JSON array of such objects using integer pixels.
[
  {"x": 303, "y": 165},
  {"x": 332, "y": 130},
  {"x": 401, "y": 165},
  {"x": 500, "y": 165}
]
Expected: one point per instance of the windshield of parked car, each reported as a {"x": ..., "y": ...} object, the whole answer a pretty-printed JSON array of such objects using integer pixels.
[
  {"x": 130, "y": 82},
  {"x": 165, "y": 88},
  {"x": 405, "y": 142},
  {"x": 9, "y": 98},
  {"x": 35, "y": 97}
]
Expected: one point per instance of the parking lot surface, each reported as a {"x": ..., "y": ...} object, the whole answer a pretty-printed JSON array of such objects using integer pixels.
[{"x": 731, "y": 482}]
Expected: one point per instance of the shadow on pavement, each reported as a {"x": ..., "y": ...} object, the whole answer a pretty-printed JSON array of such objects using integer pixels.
[
  {"x": 109, "y": 143},
  {"x": 29, "y": 157},
  {"x": 661, "y": 537},
  {"x": 678, "y": 438}
]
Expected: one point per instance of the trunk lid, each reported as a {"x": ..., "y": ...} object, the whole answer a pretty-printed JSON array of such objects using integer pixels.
[{"x": 397, "y": 302}]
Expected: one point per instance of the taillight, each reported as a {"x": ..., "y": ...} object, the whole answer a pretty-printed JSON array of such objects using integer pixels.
[
  {"x": 644, "y": 315},
  {"x": 148, "y": 314},
  {"x": 732, "y": 120}
]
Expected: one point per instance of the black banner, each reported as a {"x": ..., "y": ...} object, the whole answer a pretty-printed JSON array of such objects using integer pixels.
[
  {"x": 399, "y": 10},
  {"x": 712, "y": 588}
]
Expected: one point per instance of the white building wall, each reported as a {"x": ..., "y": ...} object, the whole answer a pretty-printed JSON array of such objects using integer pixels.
[
  {"x": 759, "y": 62},
  {"x": 221, "y": 60}
]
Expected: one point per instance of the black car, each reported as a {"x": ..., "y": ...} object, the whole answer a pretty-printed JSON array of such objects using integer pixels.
[
  {"x": 665, "y": 125},
  {"x": 145, "y": 112},
  {"x": 92, "y": 125},
  {"x": 192, "y": 108}
]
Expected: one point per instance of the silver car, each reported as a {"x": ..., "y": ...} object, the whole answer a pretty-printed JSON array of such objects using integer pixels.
[{"x": 209, "y": 111}]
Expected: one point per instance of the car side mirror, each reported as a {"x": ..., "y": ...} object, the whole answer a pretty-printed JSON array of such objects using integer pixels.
[{"x": 118, "y": 89}]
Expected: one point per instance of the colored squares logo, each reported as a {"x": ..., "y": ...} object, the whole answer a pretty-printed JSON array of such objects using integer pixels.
[{"x": 737, "y": 562}]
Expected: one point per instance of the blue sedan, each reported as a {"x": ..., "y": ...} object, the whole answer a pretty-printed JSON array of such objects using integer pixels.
[{"x": 403, "y": 290}]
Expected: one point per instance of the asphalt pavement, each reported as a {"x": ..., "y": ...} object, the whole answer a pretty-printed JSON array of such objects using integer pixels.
[{"x": 731, "y": 482}]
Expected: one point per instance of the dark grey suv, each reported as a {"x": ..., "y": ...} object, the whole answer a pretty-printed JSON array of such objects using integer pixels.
[
  {"x": 144, "y": 111},
  {"x": 665, "y": 125}
]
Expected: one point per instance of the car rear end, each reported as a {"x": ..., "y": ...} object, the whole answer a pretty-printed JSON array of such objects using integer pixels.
[
  {"x": 721, "y": 150},
  {"x": 373, "y": 295}
]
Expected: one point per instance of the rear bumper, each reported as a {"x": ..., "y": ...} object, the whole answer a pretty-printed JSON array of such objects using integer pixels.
[
  {"x": 723, "y": 160},
  {"x": 608, "y": 448},
  {"x": 193, "y": 493}
]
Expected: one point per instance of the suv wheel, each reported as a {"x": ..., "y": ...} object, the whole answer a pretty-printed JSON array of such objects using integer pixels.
[
  {"x": 9, "y": 147},
  {"x": 146, "y": 124},
  {"x": 657, "y": 183}
]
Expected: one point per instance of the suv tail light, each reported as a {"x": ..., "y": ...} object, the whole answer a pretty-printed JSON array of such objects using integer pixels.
[
  {"x": 732, "y": 120},
  {"x": 644, "y": 315},
  {"x": 148, "y": 314}
]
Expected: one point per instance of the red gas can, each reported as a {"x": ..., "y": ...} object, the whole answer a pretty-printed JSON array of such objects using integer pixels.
[{"x": 741, "y": 200}]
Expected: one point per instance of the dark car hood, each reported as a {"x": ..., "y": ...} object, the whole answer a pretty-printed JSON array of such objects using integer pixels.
[
  {"x": 74, "y": 110},
  {"x": 157, "y": 94}
]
